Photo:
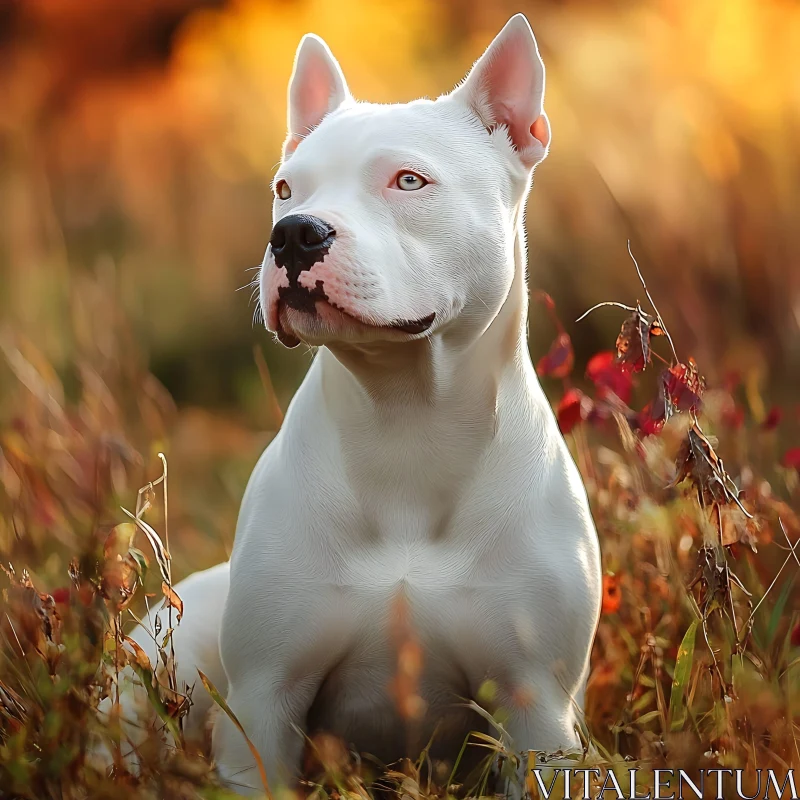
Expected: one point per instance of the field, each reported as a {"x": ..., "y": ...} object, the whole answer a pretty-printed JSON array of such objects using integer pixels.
[{"x": 134, "y": 198}]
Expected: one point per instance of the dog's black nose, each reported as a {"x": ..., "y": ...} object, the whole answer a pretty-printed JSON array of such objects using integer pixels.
[{"x": 299, "y": 241}]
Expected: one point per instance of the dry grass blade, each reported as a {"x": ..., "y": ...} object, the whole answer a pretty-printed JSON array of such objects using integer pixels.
[
  {"x": 160, "y": 552},
  {"x": 30, "y": 377},
  {"x": 141, "y": 658},
  {"x": 173, "y": 601},
  {"x": 166, "y": 512},
  {"x": 11, "y": 705}
]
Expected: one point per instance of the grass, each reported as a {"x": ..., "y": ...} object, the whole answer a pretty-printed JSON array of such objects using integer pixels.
[{"x": 696, "y": 658}]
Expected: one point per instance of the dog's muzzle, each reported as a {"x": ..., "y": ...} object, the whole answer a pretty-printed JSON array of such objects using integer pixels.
[{"x": 298, "y": 242}]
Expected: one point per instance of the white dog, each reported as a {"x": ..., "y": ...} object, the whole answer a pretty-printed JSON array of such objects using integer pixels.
[{"x": 420, "y": 460}]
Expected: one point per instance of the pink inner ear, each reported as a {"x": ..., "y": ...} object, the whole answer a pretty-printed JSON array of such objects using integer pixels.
[
  {"x": 517, "y": 119},
  {"x": 316, "y": 88},
  {"x": 511, "y": 86},
  {"x": 312, "y": 96}
]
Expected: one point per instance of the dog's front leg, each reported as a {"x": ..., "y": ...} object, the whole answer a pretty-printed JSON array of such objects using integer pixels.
[
  {"x": 274, "y": 716},
  {"x": 541, "y": 718}
]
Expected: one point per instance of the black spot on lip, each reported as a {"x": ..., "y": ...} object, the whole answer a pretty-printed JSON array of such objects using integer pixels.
[
  {"x": 300, "y": 298},
  {"x": 415, "y": 326}
]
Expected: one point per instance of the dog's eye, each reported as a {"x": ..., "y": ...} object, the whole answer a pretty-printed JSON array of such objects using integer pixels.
[
  {"x": 282, "y": 190},
  {"x": 410, "y": 181}
]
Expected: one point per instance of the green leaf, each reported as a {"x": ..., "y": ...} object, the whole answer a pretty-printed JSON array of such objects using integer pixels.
[
  {"x": 777, "y": 611},
  {"x": 683, "y": 671},
  {"x": 146, "y": 677},
  {"x": 648, "y": 717},
  {"x": 644, "y": 701},
  {"x": 141, "y": 561}
]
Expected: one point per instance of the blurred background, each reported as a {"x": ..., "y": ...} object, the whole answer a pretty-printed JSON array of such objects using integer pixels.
[{"x": 138, "y": 140}]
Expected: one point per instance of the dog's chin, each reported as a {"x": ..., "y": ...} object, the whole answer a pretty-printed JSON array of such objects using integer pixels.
[{"x": 327, "y": 324}]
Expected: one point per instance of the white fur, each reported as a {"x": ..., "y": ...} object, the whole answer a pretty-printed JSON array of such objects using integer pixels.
[{"x": 426, "y": 466}]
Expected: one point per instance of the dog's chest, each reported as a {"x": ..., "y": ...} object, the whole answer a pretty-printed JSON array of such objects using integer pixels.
[
  {"x": 423, "y": 630},
  {"x": 402, "y": 674}
]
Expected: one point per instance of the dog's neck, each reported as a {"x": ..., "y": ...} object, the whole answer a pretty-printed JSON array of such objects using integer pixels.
[{"x": 459, "y": 371}]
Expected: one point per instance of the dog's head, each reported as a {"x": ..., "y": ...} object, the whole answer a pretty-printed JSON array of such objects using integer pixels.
[{"x": 392, "y": 222}]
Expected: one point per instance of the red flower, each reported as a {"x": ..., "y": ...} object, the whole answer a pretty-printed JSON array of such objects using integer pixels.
[
  {"x": 570, "y": 410},
  {"x": 733, "y": 417},
  {"x": 606, "y": 374},
  {"x": 650, "y": 420},
  {"x": 796, "y": 635},
  {"x": 559, "y": 359},
  {"x": 612, "y": 597},
  {"x": 61, "y": 595},
  {"x": 791, "y": 459}
]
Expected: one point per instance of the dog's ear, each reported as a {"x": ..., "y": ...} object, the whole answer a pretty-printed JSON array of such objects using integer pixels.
[
  {"x": 506, "y": 87},
  {"x": 316, "y": 88}
]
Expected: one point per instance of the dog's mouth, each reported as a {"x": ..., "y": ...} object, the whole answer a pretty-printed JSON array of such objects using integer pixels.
[{"x": 316, "y": 303}]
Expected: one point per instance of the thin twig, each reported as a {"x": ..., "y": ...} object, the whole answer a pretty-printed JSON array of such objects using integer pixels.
[
  {"x": 652, "y": 303},
  {"x": 173, "y": 674},
  {"x": 789, "y": 541},
  {"x": 606, "y": 303},
  {"x": 166, "y": 515},
  {"x": 775, "y": 579}
]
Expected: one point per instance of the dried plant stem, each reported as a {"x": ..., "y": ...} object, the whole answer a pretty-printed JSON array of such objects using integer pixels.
[
  {"x": 653, "y": 304},
  {"x": 605, "y": 303},
  {"x": 791, "y": 555}
]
